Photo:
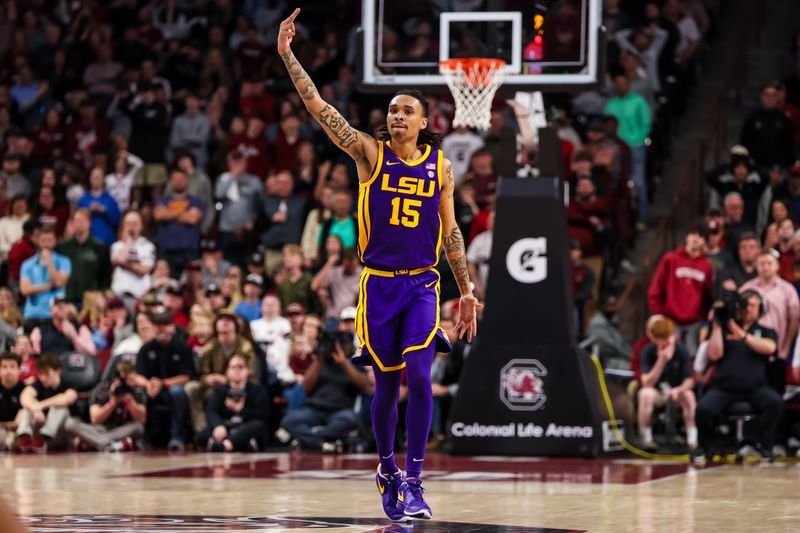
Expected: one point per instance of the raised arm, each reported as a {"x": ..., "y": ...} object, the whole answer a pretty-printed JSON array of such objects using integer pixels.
[
  {"x": 361, "y": 147},
  {"x": 454, "y": 249}
]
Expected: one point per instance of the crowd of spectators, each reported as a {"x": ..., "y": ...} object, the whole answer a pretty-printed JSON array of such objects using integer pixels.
[
  {"x": 172, "y": 211},
  {"x": 725, "y": 303}
]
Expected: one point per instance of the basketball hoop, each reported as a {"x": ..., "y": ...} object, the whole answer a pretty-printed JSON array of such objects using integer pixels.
[{"x": 473, "y": 82}]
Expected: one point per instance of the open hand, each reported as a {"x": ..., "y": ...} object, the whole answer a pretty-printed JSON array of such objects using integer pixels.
[
  {"x": 154, "y": 387},
  {"x": 286, "y": 33},
  {"x": 338, "y": 354},
  {"x": 234, "y": 406},
  {"x": 468, "y": 317}
]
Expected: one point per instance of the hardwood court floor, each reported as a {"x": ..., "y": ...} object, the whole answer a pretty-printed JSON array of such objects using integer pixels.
[{"x": 77, "y": 493}]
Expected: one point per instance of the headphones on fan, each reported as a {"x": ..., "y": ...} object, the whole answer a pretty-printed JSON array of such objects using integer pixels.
[{"x": 762, "y": 303}]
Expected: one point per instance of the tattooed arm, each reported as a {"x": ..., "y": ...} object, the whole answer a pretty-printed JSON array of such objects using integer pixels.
[
  {"x": 454, "y": 249},
  {"x": 361, "y": 147}
]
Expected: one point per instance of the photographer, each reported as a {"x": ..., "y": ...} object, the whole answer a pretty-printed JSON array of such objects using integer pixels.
[
  {"x": 237, "y": 412},
  {"x": 741, "y": 349},
  {"x": 118, "y": 414},
  {"x": 331, "y": 384}
]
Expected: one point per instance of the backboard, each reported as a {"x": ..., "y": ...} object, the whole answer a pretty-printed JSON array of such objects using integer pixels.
[{"x": 553, "y": 44}]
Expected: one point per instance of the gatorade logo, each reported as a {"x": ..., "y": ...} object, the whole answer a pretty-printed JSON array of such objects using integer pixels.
[{"x": 526, "y": 261}]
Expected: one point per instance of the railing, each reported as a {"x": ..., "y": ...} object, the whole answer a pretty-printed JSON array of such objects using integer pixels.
[{"x": 689, "y": 197}]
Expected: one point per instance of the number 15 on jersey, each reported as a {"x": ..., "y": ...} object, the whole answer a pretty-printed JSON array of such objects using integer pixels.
[{"x": 409, "y": 207}]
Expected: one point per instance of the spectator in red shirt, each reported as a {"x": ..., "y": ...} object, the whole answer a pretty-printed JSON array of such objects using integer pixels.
[
  {"x": 681, "y": 288},
  {"x": 482, "y": 176},
  {"x": 251, "y": 56},
  {"x": 85, "y": 134},
  {"x": 173, "y": 301},
  {"x": 288, "y": 139},
  {"x": 253, "y": 146},
  {"x": 48, "y": 141},
  {"x": 255, "y": 100},
  {"x": 790, "y": 110},
  {"x": 49, "y": 212},
  {"x": 786, "y": 247},
  {"x": 587, "y": 216},
  {"x": 23, "y": 347},
  {"x": 22, "y": 250}
]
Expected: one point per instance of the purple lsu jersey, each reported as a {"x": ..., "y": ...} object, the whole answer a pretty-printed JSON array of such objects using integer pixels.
[
  {"x": 400, "y": 234},
  {"x": 398, "y": 211}
]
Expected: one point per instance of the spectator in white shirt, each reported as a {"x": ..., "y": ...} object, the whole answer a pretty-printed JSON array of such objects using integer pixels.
[
  {"x": 120, "y": 182},
  {"x": 459, "y": 146},
  {"x": 11, "y": 225},
  {"x": 271, "y": 325},
  {"x": 132, "y": 257},
  {"x": 272, "y": 332}
]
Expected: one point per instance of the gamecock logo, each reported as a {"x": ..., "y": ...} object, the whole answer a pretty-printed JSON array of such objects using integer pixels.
[{"x": 521, "y": 385}]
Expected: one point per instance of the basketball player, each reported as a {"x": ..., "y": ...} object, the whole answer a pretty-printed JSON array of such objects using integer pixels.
[{"x": 405, "y": 212}]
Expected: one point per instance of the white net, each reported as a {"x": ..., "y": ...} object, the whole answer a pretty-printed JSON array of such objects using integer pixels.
[{"x": 473, "y": 83}]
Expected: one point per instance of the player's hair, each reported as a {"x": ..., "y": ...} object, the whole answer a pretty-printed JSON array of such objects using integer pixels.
[{"x": 426, "y": 136}]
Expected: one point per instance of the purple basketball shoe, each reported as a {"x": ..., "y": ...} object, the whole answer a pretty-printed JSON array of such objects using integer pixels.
[
  {"x": 388, "y": 485},
  {"x": 410, "y": 495}
]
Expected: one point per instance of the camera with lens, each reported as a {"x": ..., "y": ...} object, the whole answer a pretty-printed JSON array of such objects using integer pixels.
[
  {"x": 236, "y": 395},
  {"x": 123, "y": 389},
  {"x": 327, "y": 341},
  {"x": 124, "y": 368},
  {"x": 729, "y": 308}
]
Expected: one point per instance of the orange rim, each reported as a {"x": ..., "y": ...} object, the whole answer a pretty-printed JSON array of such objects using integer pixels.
[{"x": 477, "y": 70}]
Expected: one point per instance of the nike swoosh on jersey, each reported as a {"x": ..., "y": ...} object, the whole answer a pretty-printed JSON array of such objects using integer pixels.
[
  {"x": 429, "y": 285},
  {"x": 390, "y": 163}
]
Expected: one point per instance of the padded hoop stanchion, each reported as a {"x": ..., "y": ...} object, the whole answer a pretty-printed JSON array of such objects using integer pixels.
[{"x": 473, "y": 83}]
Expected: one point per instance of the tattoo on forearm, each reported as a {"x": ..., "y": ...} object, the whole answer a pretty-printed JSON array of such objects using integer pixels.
[
  {"x": 454, "y": 250},
  {"x": 450, "y": 181},
  {"x": 345, "y": 134},
  {"x": 302, "y": 81}
]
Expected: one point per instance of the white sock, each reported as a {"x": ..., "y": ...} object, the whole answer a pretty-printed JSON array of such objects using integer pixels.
[
  {"x": 691, "y": 436},
  {"x": 646, "y": 433}
]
